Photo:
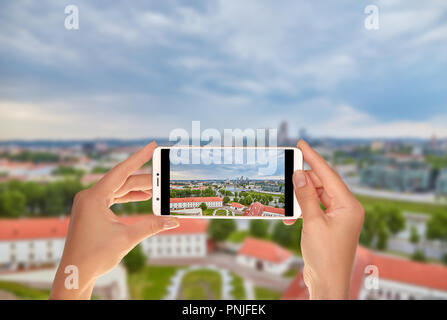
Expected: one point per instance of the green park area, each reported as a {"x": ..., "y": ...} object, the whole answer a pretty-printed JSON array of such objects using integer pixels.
[
  {"x": 23, "y": 292},
  {"x": 151, "y": 282},
  {"x": 221, "y": 212},
  {"x": 238, "y": 291},
  {"x": 201, "y": 284},
  {"x": 267, "y": 294},
  {"x": 405, "y": 206}
]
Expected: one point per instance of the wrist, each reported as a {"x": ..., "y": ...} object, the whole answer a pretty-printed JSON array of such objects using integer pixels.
[
  {"x": 72, "y": 282},
  {"x": 328, "y": 290}
]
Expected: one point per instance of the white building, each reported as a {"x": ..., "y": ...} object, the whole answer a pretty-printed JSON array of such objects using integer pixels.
[
  {"x": 31, "y": 242},
  {"x": 264, "y": 256},
  {"x": 195, "y": 202},
  {"x": 401, "y": 241},
  {"x": 38, "y": 242},
  {"x": 189, "y": 240}
]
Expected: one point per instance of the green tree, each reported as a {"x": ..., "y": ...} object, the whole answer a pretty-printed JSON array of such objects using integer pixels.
[
  {"x": 281, "y": 199},
  {"x": 12, "y": 203},
  {"x": 414, "y": 235},
  {"x": 219, "y": 230},
  {"x": 135, "y": 259},
  {"x": 67, "y": 171},
  {"x": 203, "y": 206},
  {"x": 379, "y": 224},
  {"x": 383, "y": 235},
  {"x": 437, "y": 226},
  {"x": 419, "y": 255},
  {"x": 288, "y": 236},
  {"x": 259, "y": 228},
  {"x": 226, "y": 199}
]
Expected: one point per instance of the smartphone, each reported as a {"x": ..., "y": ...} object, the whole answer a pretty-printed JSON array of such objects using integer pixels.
[{"x": 225, "y": 182}]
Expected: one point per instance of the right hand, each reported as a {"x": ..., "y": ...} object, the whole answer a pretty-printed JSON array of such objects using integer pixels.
[{"x": 329, "y": 237}]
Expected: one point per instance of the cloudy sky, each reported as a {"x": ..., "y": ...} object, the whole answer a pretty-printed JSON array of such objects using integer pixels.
[
  {"x": 139, "y": 69},
  {"x": 270, "y": 167}
]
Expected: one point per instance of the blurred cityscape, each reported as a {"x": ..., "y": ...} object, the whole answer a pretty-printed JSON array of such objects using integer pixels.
[{"x": 402, "y": 184}]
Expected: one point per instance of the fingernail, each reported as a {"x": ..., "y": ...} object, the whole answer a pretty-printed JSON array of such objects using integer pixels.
[
  {"x": 170, "y": 223},
  {"x": 299, "y": 179}
]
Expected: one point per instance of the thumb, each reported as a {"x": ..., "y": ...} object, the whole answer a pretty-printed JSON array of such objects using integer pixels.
[
  {"x": 306, "y": 194},
  {"x": 150, "y": 226}
]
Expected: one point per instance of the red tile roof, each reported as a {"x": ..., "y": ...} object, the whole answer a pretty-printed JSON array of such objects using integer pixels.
[
  {"x": 187, "y": 226},
  {"x": 196, "y": 199},
  {"x": 264, "y": 250},
  {"x": 236, "y": 205},
  {"x": 45, "y": 228},
  {"x": 297, "y": 290},
  {"x": 274, "y": 210},
  {"x": 33, "y": 228},
  {"x": 396, "y": 269},
  {"x": 257, "y": 209}
]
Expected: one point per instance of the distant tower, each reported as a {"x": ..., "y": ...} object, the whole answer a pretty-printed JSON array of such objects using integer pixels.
[{"x": 283, "y": 134}]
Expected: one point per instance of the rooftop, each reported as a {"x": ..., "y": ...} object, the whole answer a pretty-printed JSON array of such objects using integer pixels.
[
  {"x": 48, "y": 228},
  {"x": 264, "y": 250},
  {"x": 196, "y": 199}
]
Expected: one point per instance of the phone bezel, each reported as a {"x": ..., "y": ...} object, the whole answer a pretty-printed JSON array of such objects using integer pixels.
[{"x": 157, "y": 182}]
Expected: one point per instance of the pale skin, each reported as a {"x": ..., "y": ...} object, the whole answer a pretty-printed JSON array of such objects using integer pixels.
[
  {"x": 329, "y": 237},
  {"x": 97, "y": 240}
]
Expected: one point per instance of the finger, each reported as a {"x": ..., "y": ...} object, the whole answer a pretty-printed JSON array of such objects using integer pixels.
[
  {"x": 116, "y": 177},
  {"x": 134, "y": 196},
  {"x": 135, "y": 183},
  {"x": 150, "y": 226},
  {"x": 289, "y": 222},
  {"x": 306, "y": 195},
  {"x": 330, "y": 179},
  {"x": 324, "y": 196}
]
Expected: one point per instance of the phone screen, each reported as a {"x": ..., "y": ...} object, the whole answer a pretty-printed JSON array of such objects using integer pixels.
[{"x": 232, "y": 183}]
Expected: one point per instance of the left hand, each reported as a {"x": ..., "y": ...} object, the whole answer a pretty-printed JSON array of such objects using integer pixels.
[{"x": 97, "y": 240}]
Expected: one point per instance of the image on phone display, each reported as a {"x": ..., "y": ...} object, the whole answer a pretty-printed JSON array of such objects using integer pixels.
[{"x": 246, "y": 183}]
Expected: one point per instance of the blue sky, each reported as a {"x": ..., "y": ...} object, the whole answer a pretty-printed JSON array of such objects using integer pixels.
[{"x": 142, "y": 68}]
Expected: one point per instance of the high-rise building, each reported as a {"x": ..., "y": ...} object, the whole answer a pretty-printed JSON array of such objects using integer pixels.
[{"x": 283, "y": 134}]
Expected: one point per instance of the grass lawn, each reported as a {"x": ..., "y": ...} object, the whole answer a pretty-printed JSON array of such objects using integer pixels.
[
  {"x": 208, "y": 212},
  {"x": 370, "y": 202},
  {"x": 151, "y": 282},
  {"x": 238, "y": 291},
  {"x": 221, "y": 213},
  {"x": 24, "y": 292},
  {"x": 266, "y": 294},
  {"x": 237, "y": 236},
  {"x": 290, "y": 273},
  {"x": 202, "y": 284}
]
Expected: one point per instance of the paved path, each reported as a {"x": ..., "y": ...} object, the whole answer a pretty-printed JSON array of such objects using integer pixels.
[
  {"x": 249, "y": 290},
  {"x": 215, "y": 211},
  {"x": 174, "y": 288},
  {"x": 228, "y": 262}
]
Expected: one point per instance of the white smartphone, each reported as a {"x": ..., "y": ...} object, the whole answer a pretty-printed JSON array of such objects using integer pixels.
[{"x": 225, "y": 182}]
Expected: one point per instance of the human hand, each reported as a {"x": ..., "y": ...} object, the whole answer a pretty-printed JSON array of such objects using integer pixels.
[
  {"x": 329, "y": 237},
  {"x": 97, "y": 240}
]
